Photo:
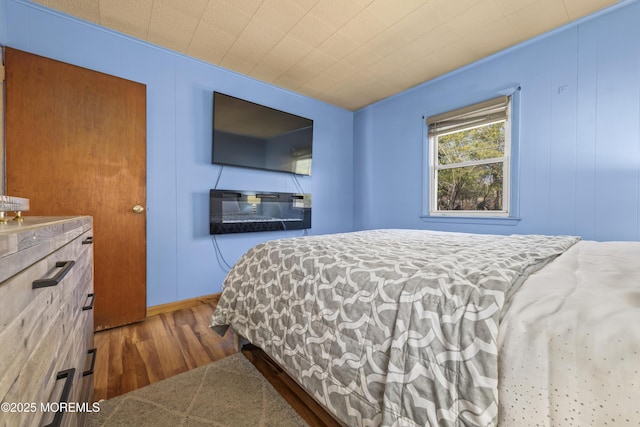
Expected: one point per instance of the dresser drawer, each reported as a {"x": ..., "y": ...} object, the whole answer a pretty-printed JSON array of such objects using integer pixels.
[
  {"x": 17, "y": 293},
  {"x": 24, "y": 244}
]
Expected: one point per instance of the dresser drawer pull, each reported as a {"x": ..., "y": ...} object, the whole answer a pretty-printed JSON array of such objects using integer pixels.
[
  {"x": 94, "y": 353},
  {"x": 88, "y": 241},
  {"x": 53, "y": 281},
  {"x": 90, "y": 306},
  {"x": 68, "y": 374}
]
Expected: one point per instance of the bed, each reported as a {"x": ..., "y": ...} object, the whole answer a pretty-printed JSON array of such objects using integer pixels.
[{"x": 425, "y": 328}]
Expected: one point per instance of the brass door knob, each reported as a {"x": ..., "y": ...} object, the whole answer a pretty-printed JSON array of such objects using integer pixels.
[{"x": 138, "y": 209}]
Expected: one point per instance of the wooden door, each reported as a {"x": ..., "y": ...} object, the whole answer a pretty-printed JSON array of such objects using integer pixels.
[{"x": 76, "y": 145}]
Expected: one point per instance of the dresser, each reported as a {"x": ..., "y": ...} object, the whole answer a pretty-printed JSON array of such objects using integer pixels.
[{"x": 46, "y": 321}]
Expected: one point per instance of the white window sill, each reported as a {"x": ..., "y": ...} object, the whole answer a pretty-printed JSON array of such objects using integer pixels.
[{"x": 484, "y": 220}]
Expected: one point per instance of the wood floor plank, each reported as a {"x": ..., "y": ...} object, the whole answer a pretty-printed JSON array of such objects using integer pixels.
[
  {"x": 149, "y": 355},
  {"x": 134, "y": 374},
  {"x": 172, "y": 361},
  {"x": 194, "y": 352},
  {"x": 114, "y": 362},
  {"x": 101, "y": 376}
]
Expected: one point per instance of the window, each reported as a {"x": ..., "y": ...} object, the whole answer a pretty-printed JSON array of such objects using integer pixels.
[
  {"x": 301, "y": 160},
  {"x": 469, "y": 160}
]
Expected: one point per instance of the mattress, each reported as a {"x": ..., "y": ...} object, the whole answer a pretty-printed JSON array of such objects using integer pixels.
[
  {"x": 569, "y": 341},
  {"x": 387, "y": 327}
]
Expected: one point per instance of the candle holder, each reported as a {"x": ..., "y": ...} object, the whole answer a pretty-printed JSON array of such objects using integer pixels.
[{"x": 17, "y": 205}]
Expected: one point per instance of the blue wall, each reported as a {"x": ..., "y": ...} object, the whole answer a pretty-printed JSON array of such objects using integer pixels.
[
  {"x": 3, "y": 20},
  {"x": 181, "y": 262},
  {"x": 579, "y": 165}
]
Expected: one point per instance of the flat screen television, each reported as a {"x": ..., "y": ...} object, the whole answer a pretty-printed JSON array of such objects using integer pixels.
[{"x": 250, "y": 135}]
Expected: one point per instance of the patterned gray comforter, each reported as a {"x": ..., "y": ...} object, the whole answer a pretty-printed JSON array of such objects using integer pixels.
[{"x": 385, "y": 327}]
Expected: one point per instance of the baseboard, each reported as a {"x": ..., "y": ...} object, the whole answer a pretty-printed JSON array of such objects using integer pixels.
[{"x": 181, "y": 305}]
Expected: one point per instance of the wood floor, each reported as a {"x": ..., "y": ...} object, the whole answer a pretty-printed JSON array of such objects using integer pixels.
[{"x": 133, "y": 356}]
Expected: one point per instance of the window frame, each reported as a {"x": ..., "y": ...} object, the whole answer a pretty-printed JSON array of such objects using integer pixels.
[{"x": 431, "y": 200}]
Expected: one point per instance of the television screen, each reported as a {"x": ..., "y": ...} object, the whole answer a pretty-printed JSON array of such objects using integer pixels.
[{"x": 255, "y": 136}]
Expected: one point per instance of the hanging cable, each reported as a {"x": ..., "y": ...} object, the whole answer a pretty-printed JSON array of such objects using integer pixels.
[
  {"x": 301, "y": 191},
  {"x": 219, "y": 175},
  {"x": 226, "y": 267},
  {"x": 297, "y": 183}
]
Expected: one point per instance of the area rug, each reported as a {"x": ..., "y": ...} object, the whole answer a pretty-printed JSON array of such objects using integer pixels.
[{"x": 229, "y": 392}]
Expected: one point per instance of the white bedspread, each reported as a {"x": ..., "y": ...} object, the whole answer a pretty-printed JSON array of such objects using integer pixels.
[{"x": 570, "y": 341}]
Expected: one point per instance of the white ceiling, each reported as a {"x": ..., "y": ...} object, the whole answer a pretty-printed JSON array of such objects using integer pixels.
[{"x": 349, "y": 53}]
